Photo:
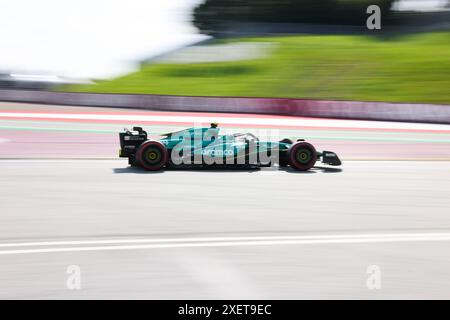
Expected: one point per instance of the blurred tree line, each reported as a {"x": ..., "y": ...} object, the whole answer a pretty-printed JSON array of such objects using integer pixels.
[{"x": 212, "y": 15}]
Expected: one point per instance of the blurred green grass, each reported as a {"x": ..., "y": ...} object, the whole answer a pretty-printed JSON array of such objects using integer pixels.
[{"x": 414, "y": 68}]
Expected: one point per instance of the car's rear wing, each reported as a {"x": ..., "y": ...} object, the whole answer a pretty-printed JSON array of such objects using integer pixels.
[{"x": 131, "y": 140}]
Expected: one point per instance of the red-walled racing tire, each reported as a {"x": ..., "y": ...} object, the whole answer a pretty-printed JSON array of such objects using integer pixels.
[
  {"x": 302, "y": 156},
  {"x": 152, "y": 155}
]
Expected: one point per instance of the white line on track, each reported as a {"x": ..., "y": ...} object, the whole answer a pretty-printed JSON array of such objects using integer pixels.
[
  {"x": 132, "y": 244},
  {"x": 266, "y": 120}
]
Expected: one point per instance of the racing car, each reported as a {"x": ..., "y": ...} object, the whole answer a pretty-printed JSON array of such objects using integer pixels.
[{"x": 206, "y": 147}]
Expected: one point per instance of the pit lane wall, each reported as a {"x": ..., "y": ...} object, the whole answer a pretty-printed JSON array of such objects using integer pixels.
[{"x": 278, "y": 106}]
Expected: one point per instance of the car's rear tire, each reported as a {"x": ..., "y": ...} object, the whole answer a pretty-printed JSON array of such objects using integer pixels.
[
  {"x": 302, "y": 156},
  {"x": 152, "y": 155}
]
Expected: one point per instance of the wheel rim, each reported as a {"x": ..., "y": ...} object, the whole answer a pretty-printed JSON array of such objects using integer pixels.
[
  {"x": 303, "y": 156},
  {"x": 153, "y": 155}
]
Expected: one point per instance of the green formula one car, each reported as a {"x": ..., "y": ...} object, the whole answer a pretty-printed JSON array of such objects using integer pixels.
[{"x": 206, "y": 148}]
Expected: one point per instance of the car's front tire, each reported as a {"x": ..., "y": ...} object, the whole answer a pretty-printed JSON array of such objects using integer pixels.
[
  {"x": 302, "y": 156},
  {"x": 152, "y": 155}
]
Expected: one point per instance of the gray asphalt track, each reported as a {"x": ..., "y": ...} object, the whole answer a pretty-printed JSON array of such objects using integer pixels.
[{"x": 104, "y": 200}]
